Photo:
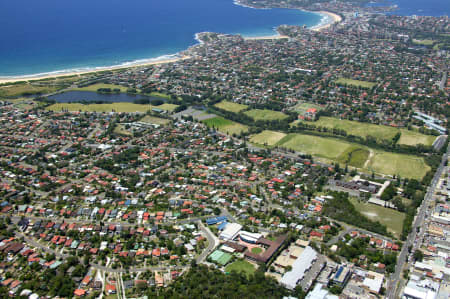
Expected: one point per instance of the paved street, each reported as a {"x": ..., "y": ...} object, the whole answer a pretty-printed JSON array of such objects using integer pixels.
[{"x": 395, "y": 278}]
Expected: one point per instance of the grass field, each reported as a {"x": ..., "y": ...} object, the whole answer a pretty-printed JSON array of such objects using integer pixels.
[
  {"x": 354, "y": 156},
  {"x": 259, "y": 114},
  {"x": 256, "y": 250},
  {"x": 398, "y": 164},
  {"x": 423, "y": 42},
  {"x": 267, "y": 137},
  {"x": 167, "y": 107},
  {"x": 225, "y": 125},
  {"x": 391, "y": 218},
  {"x": 328, "y": 148},
  {"x": 230, "y": 106},
  {"x": 155, "y": 120},
  {"x": 120, "y": 129},
  {"x": 160, "y": 95},
  {"x": 304, "y": 106},
  {"x": 95, "y": 87},
  {"x": 17, "y": 90},
  {"x": 377, "y": 131},
  {"x": 241, "y": 266},
  {"x": 414, "y": 138},
  {"x": 357, "y": 83},
  {"x": 332, "y": 149}
]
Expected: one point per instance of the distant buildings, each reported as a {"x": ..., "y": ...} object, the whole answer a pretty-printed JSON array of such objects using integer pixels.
[{"x": 430, "y": 122}]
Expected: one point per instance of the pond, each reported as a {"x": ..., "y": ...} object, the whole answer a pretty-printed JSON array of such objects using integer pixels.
[{"x": 94, "y": 97}]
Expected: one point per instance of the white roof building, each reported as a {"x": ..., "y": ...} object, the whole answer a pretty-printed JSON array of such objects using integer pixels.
[
  {"x": 230, "y": 232},
  {"x": 319, "y": 293},
  {"x": 299, "y": 268}
]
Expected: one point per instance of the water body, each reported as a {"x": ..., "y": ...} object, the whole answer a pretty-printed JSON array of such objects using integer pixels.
[
  {"x": 434, "y": 8},
  {"x": 89, "y": 96},
  {"x": 47, "y": 35}
]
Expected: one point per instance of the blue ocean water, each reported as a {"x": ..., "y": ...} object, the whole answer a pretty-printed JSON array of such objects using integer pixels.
[{"x": 47, "y": 35}]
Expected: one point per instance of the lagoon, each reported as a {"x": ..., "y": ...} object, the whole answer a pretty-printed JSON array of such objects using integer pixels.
[{"x": 75, "y": 96}]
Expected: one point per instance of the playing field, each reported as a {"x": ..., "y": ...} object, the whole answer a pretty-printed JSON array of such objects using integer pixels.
[
  {"x": 95, "y": 87},
  {"x": 357, "y": 83},
  {"x": 259, "y": 114},
  {"x": 230, "y": 106},
  {"x": 332, "y": 149},
  {"x": 398, "y": 164},
  {"x": 391, "y": 218},
  {"x": 155, "y": 120},
  {"x": 267, "y": 137},
  {"x": 167, "y": 107},
  {"x": 377, "y": 131},
  {"x": 241, "y": 266},
  {"x": 328, "y": 148},
  {"x": 304, "y": 106},
  {"x": 225, "y": 125},
  {"x": 414, "y": 138}
]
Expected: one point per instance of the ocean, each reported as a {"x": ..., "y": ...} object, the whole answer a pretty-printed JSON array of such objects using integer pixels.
[{"x": 49, "y": 36}]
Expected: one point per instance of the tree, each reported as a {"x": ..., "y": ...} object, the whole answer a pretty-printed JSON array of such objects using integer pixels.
[{"x": 418, "y": 255}]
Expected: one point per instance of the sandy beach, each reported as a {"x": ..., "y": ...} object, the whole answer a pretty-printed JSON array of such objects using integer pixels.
[
  {"x": 334, "y": 17},
  {"x": 99, "y": 69}
]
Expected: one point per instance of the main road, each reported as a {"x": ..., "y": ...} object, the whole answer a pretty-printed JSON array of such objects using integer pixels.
[{"x": 395, "y": 277}]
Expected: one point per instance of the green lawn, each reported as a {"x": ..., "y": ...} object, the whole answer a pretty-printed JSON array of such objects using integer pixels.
[
  {"x": 423, "y": 42},
  {"x": 354, "y": 156},
  {"x": 304, "y": 106},
  {"x": 259, "y": 114},
  {"x": 155, "y": 120},
  {"x": 391, "y": 218},
  {"x": 17, "y": 90},
  {"x": 167, "y": 107},
  {"x": 120, "y": 129},
  {"x": 332, "y": 149},
  {"x": 357, "y": 83},
  {"x": 241, "y": 266},
  {"x": 377, "y": 131},
  {"x": 230, "y": 106},
  {"x": 328, "y": 148},
  {"x": 398, "y": 164},
  {"x": 225, "y": 125},
  {"x": 267, "y": 137},
  {"x": 413, "y": 138},
  {"x": 95, "y": 87},
  {"x": 256, "y": 250},
  {"x": 160, "y": 95}
]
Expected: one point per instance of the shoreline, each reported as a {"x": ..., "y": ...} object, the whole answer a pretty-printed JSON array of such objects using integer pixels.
[
  {"x": 68, "y": 73},
  {"x": 331, "y": 18}
]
